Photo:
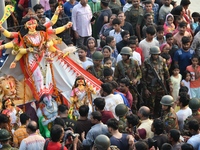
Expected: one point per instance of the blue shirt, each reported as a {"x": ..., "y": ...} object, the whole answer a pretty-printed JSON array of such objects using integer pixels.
[
  {"x": 68, "y": 8},
  {"x": 121, "y": 143},
  {"x": 183, "y": 58}
]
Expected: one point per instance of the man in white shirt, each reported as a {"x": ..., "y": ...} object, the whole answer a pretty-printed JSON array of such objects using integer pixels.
[
  {"x": 143, "y": 114},
  {"x": 149, "y": 41},
  {"x": 82, "y": 53},
  {"x": 34, "y": 141},
  {"x": 111, "y": 100},
  {"x": 81, "y": 19}
]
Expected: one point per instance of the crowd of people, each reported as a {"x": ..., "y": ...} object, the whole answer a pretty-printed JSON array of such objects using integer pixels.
[{"x": 146, "y": 54}]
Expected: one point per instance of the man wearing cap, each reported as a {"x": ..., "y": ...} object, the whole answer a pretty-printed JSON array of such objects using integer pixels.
[
  {"x": 5, "y": 139},
  {"x": 168, "y": 115}
]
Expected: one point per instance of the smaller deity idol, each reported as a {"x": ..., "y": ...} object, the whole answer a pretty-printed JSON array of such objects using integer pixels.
[
  {"x": 81, "y": 95},
  {"x": 47, "y": 113},
  {"x": 12, "y": 111}
]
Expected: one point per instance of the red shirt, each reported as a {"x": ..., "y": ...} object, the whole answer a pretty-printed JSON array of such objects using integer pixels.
[
  {"x": 24, "y": 4},
  {"x": 55, "y": 146},
  {"x": 139, "y": 50},
  {"x": 106, "y": 115}
]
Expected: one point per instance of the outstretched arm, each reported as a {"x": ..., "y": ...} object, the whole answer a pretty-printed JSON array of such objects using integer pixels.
[
  {"x": 59, "y": 29},
  {"x": 8, "y": 34}
]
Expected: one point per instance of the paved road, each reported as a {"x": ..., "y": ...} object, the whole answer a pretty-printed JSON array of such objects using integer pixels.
[{"x": 194, "y": 6}]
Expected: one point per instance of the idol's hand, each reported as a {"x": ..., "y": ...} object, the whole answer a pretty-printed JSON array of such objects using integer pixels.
[
  {"x": 58, "y": 9},
  {"x": 13, "y": 65},
  {"x": 68, "y": 25}
]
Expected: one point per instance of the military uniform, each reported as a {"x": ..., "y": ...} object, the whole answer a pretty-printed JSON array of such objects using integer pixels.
[
  {"x": 97, "y": 72},
  {"x": 122, "y": 125},
  {"x": 132, "y": 70},
  {"x": 134, "y": 16},
  {"x": 170, "y": 120},
  {"x": 149, "y": 82}
]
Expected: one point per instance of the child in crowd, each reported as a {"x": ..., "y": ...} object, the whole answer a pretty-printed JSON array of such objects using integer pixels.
[
  {"x": 176, "y": 78},
  {"x": 186, "y": 81},
  {"x": 116, "y": 32},
  {"x": 195, "y": 22},
  {"x": 107, "y": 51},
  {"x": 91, "y": 44},
  {"x": 160, "y": 35},
  {"x": 169, "y": 26},
  {"x": 165, "y": 48},
  {"x": 194, "y": 69}
]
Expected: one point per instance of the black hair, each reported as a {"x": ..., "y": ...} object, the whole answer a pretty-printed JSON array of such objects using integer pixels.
[
  {"x": 195, "y": 56},
  {"x": 109, "y": 39},
  {"x": 166, "y": 146},
  {"x": 102, "y": 43},
  {"x": 105, "y": 60},
  {"x": 168, "y": 35},
  {"x": 32, "y": 125},
  {"x": 166, "y": 56},
  {"x": 24, "y": 118},
  {"x": 193, "y": 124},
  {"x": 195, "y": 15},
  {"x": 4, "y": 118},
  {"x": 96, "y": 115},
  {"x": 113, "y": 123},
  {"x": 158, "y": 124},
  {"x": 175, "y": 134},
  {"x": 150, "y": 30},
  {"x": 131, "y": 42},
  {"x": 185, "y": 74},
  {"x": 184, "y": 98},
  {"x": 159, "y": 28},
  {"x": 132, "y": 119},
  {"x": 105, "y": 4},
  {"x": 147, "y": 15},
  {"x": 125, "y": 81},
  {"x": 116, "y": 21},
  {"x": 123, "y": 33},
  {"x": 177, "y": 11},
  {"x": 182, "y": 24},
  {"x": 83, "y": 47},
  {"x": 62, "y": 108},
  {"x": 37, "y": 6},
  {"x": 183, "y": 89},
  {"x": 114, "y": 84},
  {"x": 140, "y": 145},
  {"x": 133, "y": 37},
  {"x": 175, "y": 66},
  {"x": 99, "y": 103},
  {"x": 83, "y": 110},
  {"x": 187, "y": 146},
  {"x": 59, "y": 121},
  {"x": 185, "y": 40},
  {"x": 52, "y": 1},
  {"x": 107, "y": 87},
  {"x": 185, "y": 2},
  {"x": 56, "y": 133}
]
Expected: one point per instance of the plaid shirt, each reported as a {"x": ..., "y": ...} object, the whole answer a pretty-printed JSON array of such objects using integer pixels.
[{"x": 19, "y": 135}]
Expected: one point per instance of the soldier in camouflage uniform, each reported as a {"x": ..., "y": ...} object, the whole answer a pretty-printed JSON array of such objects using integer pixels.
[
  {"x": 121, "y": 111},
  {"x": 194, "y": 104},
  {"x": 168, "y": 115},
  {"x": 128, "y": 68},
  {"x": 152, "y": 89},
  {"x": 97, "y": 68},
  {"x": 134, "y": 15}
]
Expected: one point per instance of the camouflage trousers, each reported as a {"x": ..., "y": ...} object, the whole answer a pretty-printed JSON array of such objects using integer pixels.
[{"x": 153, "y": 101}]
